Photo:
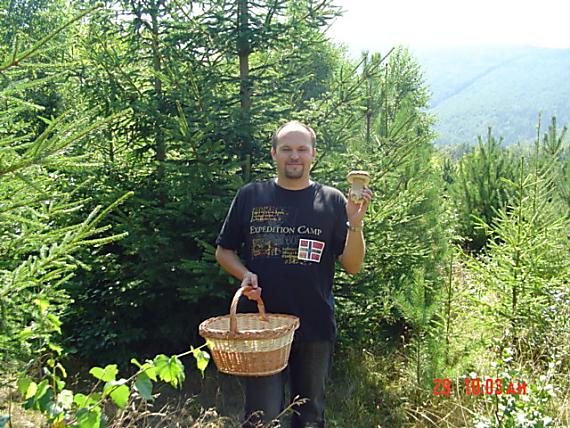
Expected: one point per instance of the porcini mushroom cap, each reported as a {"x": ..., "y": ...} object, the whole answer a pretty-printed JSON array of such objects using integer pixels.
[{"x": 363, "y": 175}]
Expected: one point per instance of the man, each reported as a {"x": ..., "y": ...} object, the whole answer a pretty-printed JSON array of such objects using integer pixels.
[{"x": 292, "y": 230}]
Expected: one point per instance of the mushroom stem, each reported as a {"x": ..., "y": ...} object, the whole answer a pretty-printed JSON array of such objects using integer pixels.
[{"x": 356, "y": 189}]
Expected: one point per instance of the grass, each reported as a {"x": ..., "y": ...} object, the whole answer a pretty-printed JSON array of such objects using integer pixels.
[
  {"x": 367, "y": 389},
  {"x": 9, "y": 405},
  {"x": 364, "y": 390},
  {"x": 371, "y": 388}
]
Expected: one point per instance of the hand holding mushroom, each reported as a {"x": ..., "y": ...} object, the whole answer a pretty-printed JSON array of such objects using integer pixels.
[
  {"x": 358, "y": 180},
  {"x": 359, "y": 196}
]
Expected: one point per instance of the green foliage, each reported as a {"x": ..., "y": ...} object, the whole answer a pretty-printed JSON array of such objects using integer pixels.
[
  {"x": 479, "y": 189},
  {"x": 177, "y": 101},
  {"x": 403, "y": 232},
  {"x": 202, "y": 359},
  {"x": 149, "y": 281},
  {"x": 418, "y": 305},
  {"x": 551, "y": 158},
  {"x": 525, "y": 264},
  {"x": 38, "y": 254},
  {"x": 187, "y": 143},
  {"x": 63, "y": 407},
  {"x": 533, "y": 409}
]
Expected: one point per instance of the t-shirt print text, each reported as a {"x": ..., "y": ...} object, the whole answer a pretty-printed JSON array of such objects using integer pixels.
[
  {"x": 265, "y": 214},
  {"x": 310, "y": 250}
]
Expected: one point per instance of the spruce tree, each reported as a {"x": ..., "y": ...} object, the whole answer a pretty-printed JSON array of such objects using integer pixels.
[
  {"x": 524, "y": 269},
  {"x": 39, "y": 255}
]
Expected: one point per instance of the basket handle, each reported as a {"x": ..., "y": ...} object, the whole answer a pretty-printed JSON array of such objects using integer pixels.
[{"x": 233, "y": 308}]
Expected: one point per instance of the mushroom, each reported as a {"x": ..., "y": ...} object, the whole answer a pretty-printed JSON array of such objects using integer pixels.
[{"x": 358, "y": 180}]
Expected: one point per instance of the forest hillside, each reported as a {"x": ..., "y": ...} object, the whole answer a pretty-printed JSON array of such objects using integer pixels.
[{"x": 502, "y": 87}]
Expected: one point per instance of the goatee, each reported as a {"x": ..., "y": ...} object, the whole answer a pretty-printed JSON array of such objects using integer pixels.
[{"x": 294, "y": 174}]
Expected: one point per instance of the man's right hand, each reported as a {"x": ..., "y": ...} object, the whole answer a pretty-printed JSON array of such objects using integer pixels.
[{"x": 250, "y": 280}]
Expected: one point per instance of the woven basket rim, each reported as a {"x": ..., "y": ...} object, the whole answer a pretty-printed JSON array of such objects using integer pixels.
[
  {"x": 245, "y": 373},
  {"x": 268, "y": 333}
]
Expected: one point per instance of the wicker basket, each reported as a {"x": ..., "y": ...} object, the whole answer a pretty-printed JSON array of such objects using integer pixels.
[{"x": 250, "y": 344}]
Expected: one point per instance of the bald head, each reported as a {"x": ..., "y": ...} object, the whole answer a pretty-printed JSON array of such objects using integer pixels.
[{"x": 293, "y": 126}]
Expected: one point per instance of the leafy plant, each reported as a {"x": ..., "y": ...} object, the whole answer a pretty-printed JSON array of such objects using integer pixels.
[
  {"x": 63, "y": 407},
  {"x": 531, "y": 409}
]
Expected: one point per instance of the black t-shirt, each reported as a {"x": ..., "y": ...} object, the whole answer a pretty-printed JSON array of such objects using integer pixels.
[{"x": 290, "y": 239}]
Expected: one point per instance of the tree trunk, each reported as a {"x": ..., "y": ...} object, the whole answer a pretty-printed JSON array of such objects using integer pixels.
[
  {"x": 160, "y": 146},
  {"x": 244, "y": 49},
  {"x": 368, "y": 115}
]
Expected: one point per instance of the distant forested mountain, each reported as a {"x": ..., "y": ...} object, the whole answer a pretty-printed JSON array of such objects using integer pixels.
[{"x": 502, "y": 87}]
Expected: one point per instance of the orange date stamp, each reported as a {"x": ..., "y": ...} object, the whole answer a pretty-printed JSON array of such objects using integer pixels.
[{"x": 477, "y": 386}]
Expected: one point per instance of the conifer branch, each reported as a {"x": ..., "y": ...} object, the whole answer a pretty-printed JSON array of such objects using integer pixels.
[{"x": 17, "y": 59}]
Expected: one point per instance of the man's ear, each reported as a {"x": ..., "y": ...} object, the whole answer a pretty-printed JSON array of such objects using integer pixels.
[{"x": 273, "y": 153}]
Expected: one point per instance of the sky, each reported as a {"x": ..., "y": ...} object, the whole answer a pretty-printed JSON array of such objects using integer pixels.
[{"x": 378, "y": 24}]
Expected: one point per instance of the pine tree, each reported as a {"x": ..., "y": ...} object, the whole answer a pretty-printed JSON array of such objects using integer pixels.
[
  {"x": 404, "y": 232},
  {"x": 552, "y": 159},
  {"x": 479, "y": 189},
  {"x": 418, "y": 303}
]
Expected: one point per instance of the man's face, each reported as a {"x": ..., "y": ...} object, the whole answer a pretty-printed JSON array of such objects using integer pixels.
[{"x": 294, "y": 153}]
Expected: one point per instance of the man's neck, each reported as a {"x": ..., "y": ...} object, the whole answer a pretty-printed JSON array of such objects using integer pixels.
[{"x": 293, "y": 183}]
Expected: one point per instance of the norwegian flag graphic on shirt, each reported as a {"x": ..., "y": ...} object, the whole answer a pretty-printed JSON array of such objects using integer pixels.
[{"x": 310, "y": 250}]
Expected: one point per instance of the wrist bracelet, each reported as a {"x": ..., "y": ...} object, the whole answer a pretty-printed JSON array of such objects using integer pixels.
[{"x": 354, "y": 228}]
